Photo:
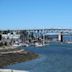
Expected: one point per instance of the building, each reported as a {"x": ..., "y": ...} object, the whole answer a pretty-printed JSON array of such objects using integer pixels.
[{"x": 11, "y": 37}]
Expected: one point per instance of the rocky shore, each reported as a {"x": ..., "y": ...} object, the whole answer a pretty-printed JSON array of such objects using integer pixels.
[{"x": 15, "y": 56}]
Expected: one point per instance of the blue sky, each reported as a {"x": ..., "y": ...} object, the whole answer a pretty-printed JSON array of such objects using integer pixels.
[{"x": 30, "y": 14}]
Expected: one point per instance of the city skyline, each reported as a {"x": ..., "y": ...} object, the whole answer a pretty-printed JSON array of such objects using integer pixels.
[{"x": 35, "y": 14}]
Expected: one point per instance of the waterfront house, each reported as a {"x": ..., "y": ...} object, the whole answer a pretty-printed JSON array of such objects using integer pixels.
[{"x": 10, "y": 37}]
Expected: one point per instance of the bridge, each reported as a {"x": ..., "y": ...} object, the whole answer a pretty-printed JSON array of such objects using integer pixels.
[
  {"x": 43, "y": 32},
  {"x": 59, "y": 32},
  {"x": 51, "y": 30}
]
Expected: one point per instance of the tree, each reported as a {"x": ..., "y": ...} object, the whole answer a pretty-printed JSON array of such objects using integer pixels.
[
  {"x": 32, "y": 35},
  {"x": 23, "y": 35},
  {"x": 6, "y": 31},
  {"x": 1, "y": 44},
  {"x": 0, "y": 37}
]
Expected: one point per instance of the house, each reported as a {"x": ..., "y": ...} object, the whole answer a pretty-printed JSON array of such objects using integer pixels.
[{"x": 11, "y": 37}]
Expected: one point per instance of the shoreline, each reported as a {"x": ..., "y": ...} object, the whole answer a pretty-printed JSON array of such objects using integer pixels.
[{"x": 16, "y": 57}]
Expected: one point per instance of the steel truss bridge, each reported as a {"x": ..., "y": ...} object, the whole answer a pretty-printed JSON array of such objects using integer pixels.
[{"x": 46, "y": 31}]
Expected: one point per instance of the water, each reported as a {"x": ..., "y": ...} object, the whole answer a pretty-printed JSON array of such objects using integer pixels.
[{"x": 52, "y": 58}]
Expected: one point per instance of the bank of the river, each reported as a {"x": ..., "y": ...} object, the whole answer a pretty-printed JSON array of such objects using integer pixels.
[
  {"x": 12, "y": 57},
  {"x": 56, "y": 57}
]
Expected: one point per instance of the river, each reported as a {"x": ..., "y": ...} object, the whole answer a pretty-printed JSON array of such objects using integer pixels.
[{"x": 55, "y": 57}]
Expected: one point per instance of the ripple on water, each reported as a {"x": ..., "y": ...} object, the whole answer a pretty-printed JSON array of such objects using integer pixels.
[{"x": 55, "y": 58}]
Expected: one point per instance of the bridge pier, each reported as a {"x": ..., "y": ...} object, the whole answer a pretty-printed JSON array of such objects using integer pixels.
[{"x": 60, "y": 37}]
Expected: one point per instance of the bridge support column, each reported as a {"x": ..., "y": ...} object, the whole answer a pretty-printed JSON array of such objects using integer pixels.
[{"x": 60, "y": 37}]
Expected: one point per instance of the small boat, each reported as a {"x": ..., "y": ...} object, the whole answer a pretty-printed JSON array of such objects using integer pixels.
[
  {"x": 16, "y": 45},
  {"x": 25, "y": 45},
  {"x": 69, "y": 42},
  {"x": 38, "y": 45},
  {"x": 20, "y": 45}
]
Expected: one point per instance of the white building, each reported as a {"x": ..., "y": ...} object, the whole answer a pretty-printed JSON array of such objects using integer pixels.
[{"x": 11, "y": 36}]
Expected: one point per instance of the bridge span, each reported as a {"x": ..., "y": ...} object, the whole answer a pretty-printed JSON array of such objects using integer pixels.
[{"x": 59, "y": 32}]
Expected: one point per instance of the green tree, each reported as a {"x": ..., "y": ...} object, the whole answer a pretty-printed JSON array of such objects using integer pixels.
[
  {"x": 0, "y": 37},
  {"x": 23, "y": 35},
  {"x": 32, "y": 35}
]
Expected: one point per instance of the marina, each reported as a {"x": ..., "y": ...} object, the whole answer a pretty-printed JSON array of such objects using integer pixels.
[
  {"x": 35, "y": 35},
  {"x": 43, "y": 50}
]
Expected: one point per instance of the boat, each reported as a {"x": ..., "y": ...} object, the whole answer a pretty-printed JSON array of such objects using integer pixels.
[
  {"x": 38, "y": 44},
  {"x": 16, "y": 45},
  {"x": 20, "y": 45},
  {"x": 69, "y": 42},
  {"x": 25, "y": 45}
]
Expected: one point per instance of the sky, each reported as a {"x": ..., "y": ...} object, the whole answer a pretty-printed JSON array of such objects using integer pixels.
[{"x": 35, "y": 14}]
